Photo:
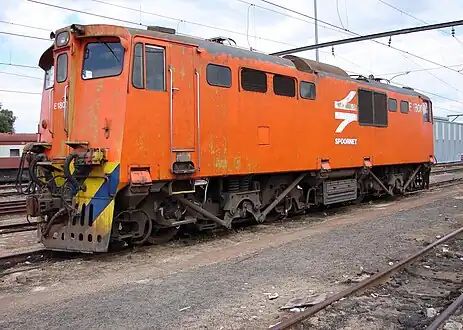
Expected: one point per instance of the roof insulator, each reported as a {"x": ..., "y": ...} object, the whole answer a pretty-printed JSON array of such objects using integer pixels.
[{"x": 161, "y": 29}]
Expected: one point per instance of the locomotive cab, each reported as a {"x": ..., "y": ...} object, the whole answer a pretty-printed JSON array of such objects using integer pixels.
[{"x": 76, "y": 161}]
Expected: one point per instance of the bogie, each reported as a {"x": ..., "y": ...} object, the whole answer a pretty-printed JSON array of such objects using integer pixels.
[{"x": 240, "y": 199}]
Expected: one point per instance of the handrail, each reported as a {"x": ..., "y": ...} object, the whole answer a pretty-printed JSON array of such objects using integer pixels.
[
  {"x": 171, "y": 108},
  {"x": 50, "y": 111},
  {"x": 198, "y": 110},
  {"x": 65, "y": 111}
]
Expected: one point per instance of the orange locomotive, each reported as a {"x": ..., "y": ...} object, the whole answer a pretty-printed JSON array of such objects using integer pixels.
[{"x": 145, "y": 131}]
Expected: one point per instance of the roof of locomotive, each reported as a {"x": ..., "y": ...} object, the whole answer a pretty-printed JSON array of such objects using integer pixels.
[
  {"x": 292, "y": 61},
  {"x": 214, "y": 47}
]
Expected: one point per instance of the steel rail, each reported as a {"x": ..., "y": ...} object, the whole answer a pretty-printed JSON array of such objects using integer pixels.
[
  {"x": 374, "y": 279},
  {"x": 14, "y": 206},
  {"x": 446, "y": 313}
]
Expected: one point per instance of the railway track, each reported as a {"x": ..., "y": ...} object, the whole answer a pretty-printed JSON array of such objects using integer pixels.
[
  {"x": 12, "y": 207},
  {"x": 381, "y": 277},
  {"x": 7, "y": 190},
  {"x": 19, "y": 206}
]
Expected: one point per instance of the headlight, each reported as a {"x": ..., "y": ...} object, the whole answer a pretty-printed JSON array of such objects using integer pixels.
[{"x": 62, "y": 39}]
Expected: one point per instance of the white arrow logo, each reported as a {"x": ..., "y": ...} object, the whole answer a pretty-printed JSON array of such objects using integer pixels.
[
  {"x": 346, "y": 117},
  {"x": 344, "y": 103}
]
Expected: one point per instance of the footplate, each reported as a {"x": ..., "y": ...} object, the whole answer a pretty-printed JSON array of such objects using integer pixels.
[
  {"x": 87, "y": 231},
  {"x": 86, "y": 227}
]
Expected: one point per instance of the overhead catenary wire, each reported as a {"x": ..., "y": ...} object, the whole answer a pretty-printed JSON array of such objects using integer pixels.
[
  {"x": 372, "y": 37},
  {"x": 27, "y": 26},
  {"x": 448, "y": 110},
  {"x": 417, "y": 70},
  {"x": 36, "y": 67},
  {"x": 19, "y": 92},
  {"x": 20, "y": 75},
  {"x": 338, "y": 29},
  {"x": 418, "y": 19},
  {"x": 24, "y": 36},
  {"x": 21, "y": 65},
  {"x": 355, "y": 33},
  {"x": 339, "y": 15},
  {"x": 435, "y": 76},
  {"x": 344, "y": 30},
  {"x": 168, "y": 17},
  {"x": 290, "y": 16},
  {"x": 176, "y": 19}
]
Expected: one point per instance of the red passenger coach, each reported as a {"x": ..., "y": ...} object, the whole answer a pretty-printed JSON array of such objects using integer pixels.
[{"x": 11, "y": 148}]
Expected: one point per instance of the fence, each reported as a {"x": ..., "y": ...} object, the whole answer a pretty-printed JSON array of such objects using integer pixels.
[{"x": 448, "y": 143}]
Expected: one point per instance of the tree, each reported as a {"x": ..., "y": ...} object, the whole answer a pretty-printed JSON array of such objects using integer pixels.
[{"x": 6, "y": 120}]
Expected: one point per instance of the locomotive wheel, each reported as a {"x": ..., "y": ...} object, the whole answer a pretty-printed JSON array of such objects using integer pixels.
[
  {"x": 360, "y": 193},
  {"x": 139, "y": 219},
  {"x": 162, "y": 235}
]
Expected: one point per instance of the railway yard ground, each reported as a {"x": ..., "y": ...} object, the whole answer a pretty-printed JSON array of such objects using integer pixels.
[{"x": 242, "y": 279}]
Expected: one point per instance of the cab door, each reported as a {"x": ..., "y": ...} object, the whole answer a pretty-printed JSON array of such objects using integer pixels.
[
  {"x": 165, "y": 92},
  {"x": 60, "y": 102}
]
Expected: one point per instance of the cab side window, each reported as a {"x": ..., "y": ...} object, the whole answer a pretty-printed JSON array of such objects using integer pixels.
[
  {"x": 138, "y": 77},
  {"x": 307, "y": 90},
  {"x": 155, "y": 68},
  {"x": 404, "y": 106},
  {"x": 392, "y": 104},
  {"x": 62, "y": 67},
  {"x": 149, "y": 61}
]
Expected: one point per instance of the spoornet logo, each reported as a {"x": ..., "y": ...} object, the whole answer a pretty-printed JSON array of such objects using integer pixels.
[
  {"x": 345, "y": 141},
  {"x": 348, "y": 116}
]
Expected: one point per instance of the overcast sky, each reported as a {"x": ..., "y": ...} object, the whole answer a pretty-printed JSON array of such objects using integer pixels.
[{"x": 261, "y": 26}]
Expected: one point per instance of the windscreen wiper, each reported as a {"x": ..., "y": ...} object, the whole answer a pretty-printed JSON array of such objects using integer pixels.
[{"x": 110, "y": 49}]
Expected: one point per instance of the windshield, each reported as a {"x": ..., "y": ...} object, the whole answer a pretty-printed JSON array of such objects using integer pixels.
[
  {"x": 102, "y": 59},
  {"x": 49, "y": 78}
]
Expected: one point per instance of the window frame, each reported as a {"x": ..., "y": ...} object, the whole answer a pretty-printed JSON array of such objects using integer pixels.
[
  {"x": 386, "y": 108},
  {"x": 430, "y": 115},
  {"x": 373, "y": 124},
  {"x": 388, "y": 104},
  {"x": 111, "y": 76},
  {"x": 256, "y": 70},
  {"x": 408, "y": 106},
  {"x": 15, "y": 149},
  {"x": 293, "y": 79},
  {"x": 219, "y": 66},
  {"x": 65, "y": 54},
  {"x": 164, "y": 61},
  {"x": 309, "y": 83},
  {"x": 142, "y": 62},
  {"x": 45, "y": 78}
]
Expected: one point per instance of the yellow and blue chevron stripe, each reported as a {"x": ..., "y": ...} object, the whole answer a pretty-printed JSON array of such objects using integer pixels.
[
  {"x": 90, "y": 229},
  {"x": 101, "y": 187}
]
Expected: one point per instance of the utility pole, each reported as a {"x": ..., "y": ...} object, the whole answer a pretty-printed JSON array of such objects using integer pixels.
[{"x": 316, "y": 29}]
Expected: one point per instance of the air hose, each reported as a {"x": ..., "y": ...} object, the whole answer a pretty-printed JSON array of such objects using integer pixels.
[
  {"x": 67, "y": 171},
  {"x": 52, "y": 221},
  {"x": 33, "y": 167}
]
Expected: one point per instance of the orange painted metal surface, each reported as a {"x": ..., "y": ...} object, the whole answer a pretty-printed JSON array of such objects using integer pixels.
[{"x": 239, "y": 132}]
